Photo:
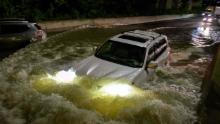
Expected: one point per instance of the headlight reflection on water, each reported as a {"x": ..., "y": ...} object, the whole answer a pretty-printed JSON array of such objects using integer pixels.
[
  {"x": 63, "y": 76},
  {"x": 117, "y": 89},
  {"x": 204, "y": 30},
  {"x": 93, "y": 94}
]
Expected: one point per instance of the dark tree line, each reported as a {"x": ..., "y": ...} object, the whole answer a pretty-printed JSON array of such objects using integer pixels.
[{"x": 76, "y": 9}]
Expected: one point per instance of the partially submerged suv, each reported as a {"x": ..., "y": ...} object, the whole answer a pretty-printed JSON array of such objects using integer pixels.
[
  {"x": 16, "y": 32},
  {"x": 133, "y": 56}
]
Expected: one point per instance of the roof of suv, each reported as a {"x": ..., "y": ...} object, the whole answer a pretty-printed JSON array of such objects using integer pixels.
[
  {"x": 13, "y": 20},
  {"x": 137, "y": 37}
]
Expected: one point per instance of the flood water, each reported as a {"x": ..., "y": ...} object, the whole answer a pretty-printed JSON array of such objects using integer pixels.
[{"x": 30, "y": 95}]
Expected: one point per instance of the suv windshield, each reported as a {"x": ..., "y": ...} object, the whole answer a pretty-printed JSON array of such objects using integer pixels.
[{"x": 121, "y": 53}]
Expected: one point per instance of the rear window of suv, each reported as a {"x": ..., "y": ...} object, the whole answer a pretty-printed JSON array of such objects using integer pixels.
[{"x": 13, "y": 28}]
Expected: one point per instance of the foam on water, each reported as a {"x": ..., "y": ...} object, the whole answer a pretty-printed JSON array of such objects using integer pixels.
[{"x": 170, "y": 98}]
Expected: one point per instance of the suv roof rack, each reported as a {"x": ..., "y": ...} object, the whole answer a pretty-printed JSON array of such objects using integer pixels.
[
  {"x": 13, "y": 19},
  {"x": 153, "y": 35},
  {"x": 133, "y": 38}
]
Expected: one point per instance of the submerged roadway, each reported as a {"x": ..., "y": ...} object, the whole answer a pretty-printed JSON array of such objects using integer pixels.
[{"x": 191, "y": 40}]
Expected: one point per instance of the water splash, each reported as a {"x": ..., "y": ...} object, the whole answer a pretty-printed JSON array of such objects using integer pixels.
[{"x": 170, "y": 98}]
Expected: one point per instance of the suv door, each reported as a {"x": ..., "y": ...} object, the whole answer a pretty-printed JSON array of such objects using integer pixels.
[
  {"x": 162, "y": 52},
  {"x": 150, "y": 57}
]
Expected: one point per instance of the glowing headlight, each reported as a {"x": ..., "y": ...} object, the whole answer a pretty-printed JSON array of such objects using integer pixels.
[
  {"x": 202, "y": 23},
  {"x": 210, "y": 20},
  {"x": 200, "y": 29},
  {"x": 203, "y": 14},
  {"x": 206, "y": 31},
  {"x": 63, "y": 76},
  {"x": 117, "y": 89},
  {"x": 209, "y": 14},
  {"x": 204, "y": 19}
]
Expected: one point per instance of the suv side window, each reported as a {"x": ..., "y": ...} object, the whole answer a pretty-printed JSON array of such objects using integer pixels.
[
  {"x": 157, "y": 50},
  {"x": 162, "y": 46},
  {"x": 13, "y": 28},
  {"x": 150, "y": 55}
]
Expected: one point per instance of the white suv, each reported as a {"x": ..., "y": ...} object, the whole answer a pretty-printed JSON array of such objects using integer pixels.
[{"x": 133, "y": 56}]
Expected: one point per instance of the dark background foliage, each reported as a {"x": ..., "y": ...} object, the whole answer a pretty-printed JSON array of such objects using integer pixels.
[{"x": 77, "y": 9}]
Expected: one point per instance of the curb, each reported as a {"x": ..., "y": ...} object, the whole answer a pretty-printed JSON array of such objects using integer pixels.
[{"x": 107, "y": 22}]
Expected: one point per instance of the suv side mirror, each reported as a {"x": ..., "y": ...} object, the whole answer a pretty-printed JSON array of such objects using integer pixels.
[{"x": 152, "y": 65}]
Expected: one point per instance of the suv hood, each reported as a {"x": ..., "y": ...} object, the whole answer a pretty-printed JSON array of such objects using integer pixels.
[{"x": 99, "y": 68}]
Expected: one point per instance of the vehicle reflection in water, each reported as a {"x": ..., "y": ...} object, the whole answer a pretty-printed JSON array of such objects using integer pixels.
[{"x": 202, "y": 36}]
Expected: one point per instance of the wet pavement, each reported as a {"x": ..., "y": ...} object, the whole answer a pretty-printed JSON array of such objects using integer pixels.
[
  {"x": 183, "y": 33},
  {"x": 190, "y": 35}
]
